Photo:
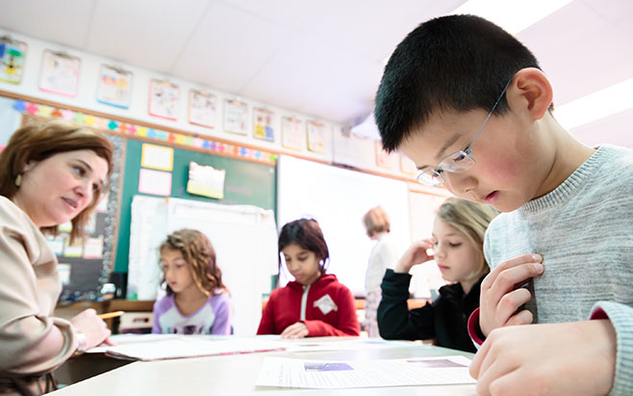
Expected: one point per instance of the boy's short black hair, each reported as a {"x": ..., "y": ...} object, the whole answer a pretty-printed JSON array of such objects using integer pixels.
[{"x": 456, "y": 62}]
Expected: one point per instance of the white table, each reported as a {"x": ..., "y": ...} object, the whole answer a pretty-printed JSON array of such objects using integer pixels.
[{"x": 236, "y": 375}]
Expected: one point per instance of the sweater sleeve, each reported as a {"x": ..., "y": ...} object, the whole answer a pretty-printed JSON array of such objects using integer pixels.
[
  {"x": 267, "y": 323},
  {"x": 395, "y": 321},
  {"x": 347, "y": 319},
  {"x": 621, "y": 317},
  {"x": 31, "y": 341},
  {"x": 156, "y": 312}
]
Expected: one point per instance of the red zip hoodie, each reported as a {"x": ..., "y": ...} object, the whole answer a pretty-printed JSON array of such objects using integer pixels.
[{"x": 326, "y": 307}]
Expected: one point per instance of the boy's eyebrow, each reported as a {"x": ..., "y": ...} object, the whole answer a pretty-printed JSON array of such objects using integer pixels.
[{"x": 441, "y": 152}]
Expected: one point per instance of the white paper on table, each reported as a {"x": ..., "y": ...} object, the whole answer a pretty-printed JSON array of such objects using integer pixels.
[
  {"x": 188, "y": 347},
  {"x": 315, "y": 345},
  {"x": 324, "y": 374}
]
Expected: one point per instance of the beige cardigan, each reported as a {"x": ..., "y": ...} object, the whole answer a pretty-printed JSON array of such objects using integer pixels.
[{"x": 32, "y": 342}]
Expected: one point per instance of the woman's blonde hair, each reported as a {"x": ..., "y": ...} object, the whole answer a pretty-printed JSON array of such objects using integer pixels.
[
  {"x": 198, "y": 252},
  {"x": 376, "y": 221},
  {"x": 41, "y": 140},
  {"x": 471, "y": 219}
]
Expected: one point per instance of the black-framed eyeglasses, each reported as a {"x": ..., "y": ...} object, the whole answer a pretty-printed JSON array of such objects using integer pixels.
[{"x": 459, "y": 161}]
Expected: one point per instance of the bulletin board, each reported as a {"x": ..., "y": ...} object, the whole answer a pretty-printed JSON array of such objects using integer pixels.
[{"x": 246, "y": 183}]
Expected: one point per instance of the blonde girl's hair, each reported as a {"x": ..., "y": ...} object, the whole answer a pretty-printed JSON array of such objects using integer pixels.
[
  {"x": 471, "y": 219},
  {"x": 41, "y": 140},
  {"x": 376, "y": 221},
  {"x": 198, "y": 252}
]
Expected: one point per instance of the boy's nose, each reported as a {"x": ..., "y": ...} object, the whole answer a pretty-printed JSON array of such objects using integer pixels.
[{"x": 461, "y": 184}]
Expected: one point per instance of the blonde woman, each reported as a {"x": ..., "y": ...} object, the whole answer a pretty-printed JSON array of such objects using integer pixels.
[
  {"x": 457, "y": 245},
  {"x": 382, "y": 256}
]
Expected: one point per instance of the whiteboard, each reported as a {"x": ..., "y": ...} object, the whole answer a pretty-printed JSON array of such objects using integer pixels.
[
  {"x": 338, "y": 198},
  {"x": 244, "y": 238}
]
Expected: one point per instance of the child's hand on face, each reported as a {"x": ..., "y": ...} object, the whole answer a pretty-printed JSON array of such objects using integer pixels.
[
  {"x": 297, "y": 330},
  {"x": 500, "y": 299},
  {"x": 416, "y": 254},
  {"x": 561, "y": 359}
]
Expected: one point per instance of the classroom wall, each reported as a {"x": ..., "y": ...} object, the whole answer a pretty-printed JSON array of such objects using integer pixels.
[{"x": 351, "y": 150}]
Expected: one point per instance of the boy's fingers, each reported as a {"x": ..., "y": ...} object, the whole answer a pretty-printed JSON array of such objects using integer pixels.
[
  {"x": 513, "y": 262},
  {"x": 510, "y": 303},
  {"x": 524, "y": 317},
  {"x": 507, "y": 280}
]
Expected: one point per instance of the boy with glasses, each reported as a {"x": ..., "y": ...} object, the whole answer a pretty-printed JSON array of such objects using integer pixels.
[{"x": 468, "y": 103}]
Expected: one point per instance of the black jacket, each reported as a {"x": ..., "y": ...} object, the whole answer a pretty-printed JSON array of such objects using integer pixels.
[{"x": 444, "y": 320}]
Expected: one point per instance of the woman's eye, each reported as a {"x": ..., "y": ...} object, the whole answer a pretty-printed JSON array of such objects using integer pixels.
[
  {"x": 79, "y": 170},
  {"x": 459, "y": 157},
  {"x": 435, "y": 243},
  {"x": 455, "y": 244}
]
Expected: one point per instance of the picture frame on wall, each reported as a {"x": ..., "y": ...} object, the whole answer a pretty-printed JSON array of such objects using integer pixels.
[
  {"x": 263, "y": 124},
  {"x": 316, "y": 136},
  {"x": 60, "y": 73},
  {"x": 163, "y": 99},
  {"x": 235, "y": 116},
  {"x": 202, "y": 108},
  {"x": 115, "y": 86},
  {"x": 12, "y": 56},
  {"x": 293, "y": 134}
]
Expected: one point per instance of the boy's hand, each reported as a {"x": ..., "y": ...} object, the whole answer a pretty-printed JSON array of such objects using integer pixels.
[
  {"x": 500, "y": 298},
  {"x": 416, "y": 254},
  {"x": 562, "y": 359}
]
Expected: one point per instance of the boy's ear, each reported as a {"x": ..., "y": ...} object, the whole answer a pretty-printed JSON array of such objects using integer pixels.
[{"x": 534, "y": 91}]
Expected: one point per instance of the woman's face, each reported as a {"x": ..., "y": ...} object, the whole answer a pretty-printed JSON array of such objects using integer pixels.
[
  {"x": 302, "y": 264},
  {"x": 457, "y": 259},
  {"x": 57, "y": 189}
]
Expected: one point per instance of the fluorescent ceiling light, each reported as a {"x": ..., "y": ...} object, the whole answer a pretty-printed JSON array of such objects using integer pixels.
[
  {"x": 600, "y": 104},
  {"x": 513, "y": 16}
]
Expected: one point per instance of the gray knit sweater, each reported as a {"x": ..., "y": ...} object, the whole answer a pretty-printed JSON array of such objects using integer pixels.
[{"x": 584, "y": 231}]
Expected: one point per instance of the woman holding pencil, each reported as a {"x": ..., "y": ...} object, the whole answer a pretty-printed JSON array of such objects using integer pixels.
[{"x": 49, "y": 174}]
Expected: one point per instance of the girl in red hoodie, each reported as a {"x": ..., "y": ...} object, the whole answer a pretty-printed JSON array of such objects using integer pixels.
[{"x": 315, "y": 304}]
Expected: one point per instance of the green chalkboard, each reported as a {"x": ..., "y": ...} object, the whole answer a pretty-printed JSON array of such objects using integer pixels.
[{"x": 246, "y": 183}]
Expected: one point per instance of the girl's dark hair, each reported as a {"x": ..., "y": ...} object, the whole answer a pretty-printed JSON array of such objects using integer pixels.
[
  {"x": 41, "y": 140},
  {"x": 198, "y": 252},
  {"x": 307, "y": 234},
  {"x": 455, "y": 62}
]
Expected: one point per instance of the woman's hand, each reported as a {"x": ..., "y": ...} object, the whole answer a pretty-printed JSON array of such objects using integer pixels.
[
  {"x": 93, "y": 327},
  {"x": 500, "y": 298},
  {"x": 416, "y": 254},
  {"x": 297, "y": 330}
]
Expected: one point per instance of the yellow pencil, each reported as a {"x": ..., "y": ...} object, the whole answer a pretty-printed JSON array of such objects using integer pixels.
[{"x": 111, "y": 315}]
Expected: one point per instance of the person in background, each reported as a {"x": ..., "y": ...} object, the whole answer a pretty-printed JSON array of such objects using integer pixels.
[
  {"x": 197, "y": 301},
  {"x": 457, "y": 245},
  {"x": 315, "y": 304},
  {"x": 383, "y": 256},
  {"x": 470, "y": 105},
  {"x": 50, "y": 173}
]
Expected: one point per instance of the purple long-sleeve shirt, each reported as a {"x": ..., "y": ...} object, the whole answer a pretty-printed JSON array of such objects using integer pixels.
[{"x": 214, "y": 317}]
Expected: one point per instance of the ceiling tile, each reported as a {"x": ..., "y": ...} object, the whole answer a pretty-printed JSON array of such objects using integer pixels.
[
  {"x": 62, "y": 21},
  {"x": 229, "y": 47},
  {"x": 146, "y": 33}
]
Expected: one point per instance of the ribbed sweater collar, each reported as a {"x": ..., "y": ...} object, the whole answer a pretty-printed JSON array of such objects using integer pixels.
[{"x": 570, "y": 186}]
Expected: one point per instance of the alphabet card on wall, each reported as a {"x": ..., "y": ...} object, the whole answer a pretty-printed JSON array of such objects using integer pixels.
[
  {"x": 263, "y": 124},
  {"x": 235, "y": 116},
  {"x": 202, "y": 110},
  {"x": 115, "y": 86},
  {"x": 60, "y": 73},
  {"x": 163, "y": 99},
  {"x": 293, "y": 135},
  {"x": 12, "y": 54},
  {"x": 316, "y": 136}
]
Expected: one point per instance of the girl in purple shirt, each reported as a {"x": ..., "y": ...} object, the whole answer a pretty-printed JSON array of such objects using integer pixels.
[{"x": 197, "y": 301}]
